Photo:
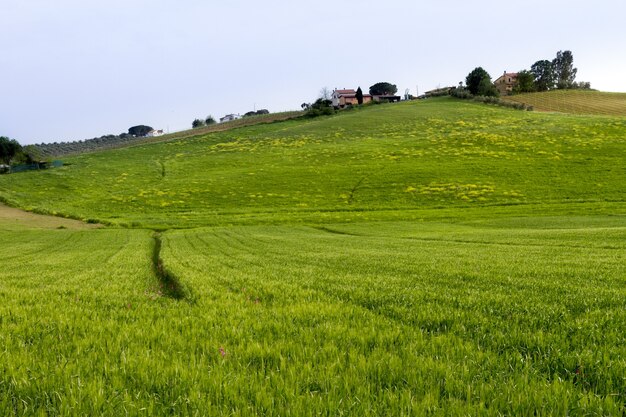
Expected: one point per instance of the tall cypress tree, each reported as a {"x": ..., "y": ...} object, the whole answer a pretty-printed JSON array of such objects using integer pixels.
[{"x": 359, "y": 96}]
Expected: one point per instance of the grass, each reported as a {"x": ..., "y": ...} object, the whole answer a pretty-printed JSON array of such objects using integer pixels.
[
  {"x": 431, "y": 258},
  {"x": 404, "y": 158},
  {"x": 575, "y": 102}
]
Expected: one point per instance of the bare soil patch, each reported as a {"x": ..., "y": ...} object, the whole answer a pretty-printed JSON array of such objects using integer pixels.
[{"x": 11, "y": 217}]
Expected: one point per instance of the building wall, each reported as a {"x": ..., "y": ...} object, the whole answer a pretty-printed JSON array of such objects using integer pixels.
[{"x": 505, "y": 83}]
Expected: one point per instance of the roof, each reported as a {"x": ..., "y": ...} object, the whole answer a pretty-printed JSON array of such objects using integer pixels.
[
  {"x": 508, "y": 74},
  {"x": 353, "y": 95},
  {"x": 349, "y": 91}
]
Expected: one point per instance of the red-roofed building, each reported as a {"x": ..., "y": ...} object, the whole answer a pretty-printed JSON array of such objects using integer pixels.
[
  {"x": 345, "y": 97},
  {"x": 505, "y": 83}
]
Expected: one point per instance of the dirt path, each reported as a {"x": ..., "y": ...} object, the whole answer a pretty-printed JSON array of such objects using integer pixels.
[{"x": 11, "y": 218}]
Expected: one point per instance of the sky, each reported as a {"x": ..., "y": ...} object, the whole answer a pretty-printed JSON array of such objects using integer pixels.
[{"x": 78, "y": 69}]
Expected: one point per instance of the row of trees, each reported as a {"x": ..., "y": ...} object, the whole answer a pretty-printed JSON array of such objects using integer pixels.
[
  {"x": 55, "y": 149},
  {"x": 207, "y": 121},
  {"x": 547, "y": 75}
]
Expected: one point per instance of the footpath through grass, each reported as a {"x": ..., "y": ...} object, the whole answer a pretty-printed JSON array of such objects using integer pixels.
[{"x": 432, "y": 258}]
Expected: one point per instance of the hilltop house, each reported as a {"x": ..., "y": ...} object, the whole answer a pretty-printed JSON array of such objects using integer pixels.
[
  {"x": 154, "y": 133},
  {"x": 505, "y": 83},
  {"x": 229, "y": 118},
  {"x": 345, "y": 97}
]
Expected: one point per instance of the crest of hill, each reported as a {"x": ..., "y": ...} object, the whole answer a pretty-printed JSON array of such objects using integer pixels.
[
  {"x": 574, "y": 102},
  {"x": 48, "y": 150}
]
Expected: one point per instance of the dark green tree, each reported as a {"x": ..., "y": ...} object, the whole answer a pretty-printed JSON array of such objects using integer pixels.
[
  {"x": 564, "y": 71},
  {"x": 478, "y": 81},
  {"x": 197, "y": 123},
  {"x": 140, "y": 130},
  {"x": 487, "y": 88},
  {"x": 383, "y": 89},
  {"x": 9, "y": 148},
  {"x": 359, "y": 96},
  {"x": 525, "y": 82},
  {"x": 209, "y": 120},
  {"x": 544, "y": 75}
]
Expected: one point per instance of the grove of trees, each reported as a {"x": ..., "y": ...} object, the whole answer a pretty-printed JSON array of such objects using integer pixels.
[
  {"x": 9, "y": 149},
  {"x": 548, "y": 75}
]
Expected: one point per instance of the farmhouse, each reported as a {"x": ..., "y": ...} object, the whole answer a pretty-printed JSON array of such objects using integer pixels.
[
  {"x": 229, "y": 118},
  {"x": 154, "y": 133},
  {"x": 345, "y": 97},
  {"x": 505, "y": 83}
]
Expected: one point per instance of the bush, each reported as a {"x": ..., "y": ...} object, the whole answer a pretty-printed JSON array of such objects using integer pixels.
[{"x": 321, "y": 107}]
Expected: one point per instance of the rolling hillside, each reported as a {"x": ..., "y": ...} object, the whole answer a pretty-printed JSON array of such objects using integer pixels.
[
  {"x": 382, "y": 161},
  {"x": 438, "y": 257},
  {"x": 575, "y": 102}
]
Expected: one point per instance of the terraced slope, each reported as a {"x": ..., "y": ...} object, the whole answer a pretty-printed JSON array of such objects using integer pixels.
[{"x": 575, "y": 102}]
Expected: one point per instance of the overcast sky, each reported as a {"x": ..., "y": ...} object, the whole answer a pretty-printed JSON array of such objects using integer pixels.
[{"x": 78, "y": 69}]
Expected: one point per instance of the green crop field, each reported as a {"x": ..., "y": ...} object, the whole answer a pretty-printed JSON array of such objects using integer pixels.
[
  {"x": 575, "y": 102},
  {"x": 426, "y": 258}
]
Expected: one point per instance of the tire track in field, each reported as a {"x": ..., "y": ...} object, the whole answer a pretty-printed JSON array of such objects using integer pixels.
[
  {"x": 468, "y": 241},
  {"x": 170, "y": 284}
]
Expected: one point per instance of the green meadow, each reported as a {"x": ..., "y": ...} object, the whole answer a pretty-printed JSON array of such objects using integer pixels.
[{"x": 436, "y": 257}]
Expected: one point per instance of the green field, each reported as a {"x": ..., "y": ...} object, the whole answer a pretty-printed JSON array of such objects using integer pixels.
[
  {"x": 574, "y": 102},
  {"x": 426, "y": 258}
]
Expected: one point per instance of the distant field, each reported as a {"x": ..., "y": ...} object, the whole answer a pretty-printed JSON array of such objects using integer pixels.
[
  {"x": 438, "y": 257},
  {"x": 575, "y": 102}
]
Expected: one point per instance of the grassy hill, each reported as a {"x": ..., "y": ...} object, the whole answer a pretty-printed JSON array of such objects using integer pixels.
[
  {"x": 401, "y": 159},
  {"x": 575, "y": 102},
  {"x": 437, "y": 257}
]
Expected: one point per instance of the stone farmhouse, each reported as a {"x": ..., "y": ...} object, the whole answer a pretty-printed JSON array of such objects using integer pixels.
[{"x": 505, "y": 83}]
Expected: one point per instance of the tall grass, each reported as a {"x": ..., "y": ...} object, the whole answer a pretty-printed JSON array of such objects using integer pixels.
[{"x": 430, "y": 258}]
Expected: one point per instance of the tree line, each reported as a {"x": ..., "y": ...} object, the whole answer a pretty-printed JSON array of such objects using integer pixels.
[
  {"x": 38, "y": 152},
  {"x": 543, "y": 75}
]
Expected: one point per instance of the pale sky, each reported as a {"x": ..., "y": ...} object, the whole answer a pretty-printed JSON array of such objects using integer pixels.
[{"x": 78, "y": 69}]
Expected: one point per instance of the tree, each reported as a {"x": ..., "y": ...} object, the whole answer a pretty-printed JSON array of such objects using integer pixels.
[
  {"x": 9, "y": 148},
  {"x": 325, "y": 93},
  {"x": 525, "y": 82},
  {"x": 197, "y": 123},
  {"x": 140, "y": 130},
  {"x": 544, "y": 75},
  {"x": 487, "y": 88},
  {"x": 564, "y": 71},
  {"x": 359, "y": 96},
  {"x": 479, "y": 83},
  {"x": 383, "y": 89},
  {"x": 209, "y": 120}
]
